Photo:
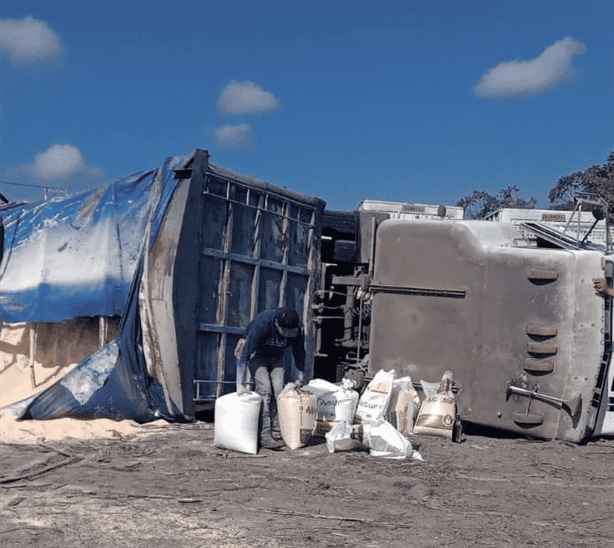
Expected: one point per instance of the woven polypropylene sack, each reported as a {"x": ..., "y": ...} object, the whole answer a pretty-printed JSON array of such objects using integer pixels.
[
  {"x": 236, "y": 422},
  {"x": 297, "y": 416}
]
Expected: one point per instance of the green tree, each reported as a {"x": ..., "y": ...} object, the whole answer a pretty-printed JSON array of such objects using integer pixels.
[
  {"x": 594, "y": 180},
  {"x": 480, "y": 203}
]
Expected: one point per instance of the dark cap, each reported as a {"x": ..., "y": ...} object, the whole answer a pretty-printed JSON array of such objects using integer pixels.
[{"x": 287, "y": 323}]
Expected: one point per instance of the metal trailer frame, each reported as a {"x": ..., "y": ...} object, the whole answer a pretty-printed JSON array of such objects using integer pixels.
[{"x": 259, "y": 248}]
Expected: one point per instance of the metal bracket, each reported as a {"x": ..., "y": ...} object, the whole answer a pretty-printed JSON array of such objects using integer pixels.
[{"x": 572, "y": 405}]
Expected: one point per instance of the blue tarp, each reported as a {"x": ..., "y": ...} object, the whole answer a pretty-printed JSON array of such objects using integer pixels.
[
  {"x": 112, "y": 384},
  {"x": 76, "y": 256},
  {"x": 82, "y": 256}
]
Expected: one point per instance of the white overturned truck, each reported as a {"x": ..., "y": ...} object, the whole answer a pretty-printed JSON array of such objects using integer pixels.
[{"x": 510, "y": 308}]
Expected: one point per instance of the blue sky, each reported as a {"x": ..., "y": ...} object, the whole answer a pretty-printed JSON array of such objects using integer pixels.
[{"x": 409, "y": 101}]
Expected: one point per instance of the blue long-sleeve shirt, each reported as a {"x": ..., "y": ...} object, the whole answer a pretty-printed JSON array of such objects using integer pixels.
[{"x": 263, "y": 339}]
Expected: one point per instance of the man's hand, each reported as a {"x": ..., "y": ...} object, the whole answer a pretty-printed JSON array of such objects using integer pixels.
[{"x": 601, "y": 287}]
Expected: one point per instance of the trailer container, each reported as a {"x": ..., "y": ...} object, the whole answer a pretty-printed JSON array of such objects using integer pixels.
[{"x": 521, "y": 327}]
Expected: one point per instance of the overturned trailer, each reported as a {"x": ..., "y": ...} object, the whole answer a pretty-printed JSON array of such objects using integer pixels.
[{"x": 131, "y": 298}]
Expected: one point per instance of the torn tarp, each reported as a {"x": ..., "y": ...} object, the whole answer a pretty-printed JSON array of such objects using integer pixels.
[
  {"x": 84, "y": 255},
  {"x": 113, "y": 383}
]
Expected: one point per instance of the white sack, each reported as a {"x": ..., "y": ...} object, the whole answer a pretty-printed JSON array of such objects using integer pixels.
[
  {"x": 236, "y": 422},
  {"x": 335, "y": 403},
  {"x": 343, "y": 437},
  {"x": 296, "y": 409},
  {"x": 403, "y": 405},
  {"x": 384, "y": 440},
  {"x": 374, "y": 401},
  {"x": 437, "y": 413},
  {"x": 437, "y": 416}
]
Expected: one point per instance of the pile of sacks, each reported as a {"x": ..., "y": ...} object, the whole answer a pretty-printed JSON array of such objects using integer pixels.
[
  {"x": 303, "y": 411},
  {"x": 381, "y": 419},
  {"x": 390, "y": 410}
]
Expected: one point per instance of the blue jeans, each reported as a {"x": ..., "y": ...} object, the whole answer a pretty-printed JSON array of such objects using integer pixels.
[{"x": 268, "y": 375}]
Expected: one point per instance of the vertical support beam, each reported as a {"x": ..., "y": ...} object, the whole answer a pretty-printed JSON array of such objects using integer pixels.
[
  {"x": 256, "y": 255},
  {"x": 32, "y": 353},
  {"x": 285, "y": 246},
  {"x": 222, "y": 309},
  {"x": 312, "y": 267}
]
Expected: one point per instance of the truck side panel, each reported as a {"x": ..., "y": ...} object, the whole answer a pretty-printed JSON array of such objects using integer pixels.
[{"x": 463, "y": 296}]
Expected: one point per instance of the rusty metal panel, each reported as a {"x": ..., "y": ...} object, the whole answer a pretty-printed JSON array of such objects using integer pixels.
[
  {"x": 156, "y": 304},
  {"x": 268, "y": 290},
  {"x": 210, "y": 269},
  {"x": 462, "y": 297},
  {"x": 239, "y": 294},
  {"x": 299, "y": 235},
  {"x": 272, "y": 233},
  {"x": 243, "y": 230},
  {"x": 259, "y": 250}
]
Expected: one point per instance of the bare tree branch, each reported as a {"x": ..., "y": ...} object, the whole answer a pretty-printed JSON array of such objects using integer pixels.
[{"x": 480, "y": 203}]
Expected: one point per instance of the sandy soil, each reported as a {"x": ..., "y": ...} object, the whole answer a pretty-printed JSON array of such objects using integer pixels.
[{"x": 167, "y": 485}]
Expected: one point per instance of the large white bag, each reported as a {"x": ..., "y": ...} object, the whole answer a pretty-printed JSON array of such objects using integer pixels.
[
  {"x": 344, "y": 437},
  {"x": 384, "y": 440},
  {"x": 236, "y": 422},
  {"x": 335, "y": 403},
  {"x": 297, "y": 415},
  {"x": 373, "y": 403}
]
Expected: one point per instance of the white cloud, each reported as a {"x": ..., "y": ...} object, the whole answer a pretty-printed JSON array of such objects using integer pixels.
[
  {"x": 28, "y": 40},
  {"x": 245, "y": 98},
  {"x": 61, "y": 163},
  {"x": 552, "y": 67},
  {"x": 233, "y": 136}
]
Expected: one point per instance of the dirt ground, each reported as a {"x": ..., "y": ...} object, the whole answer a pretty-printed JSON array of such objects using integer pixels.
[{"x": 174, "y": 488}]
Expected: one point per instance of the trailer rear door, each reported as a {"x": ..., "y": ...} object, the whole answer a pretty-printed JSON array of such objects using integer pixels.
[{"x": 259, "y": 249}]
